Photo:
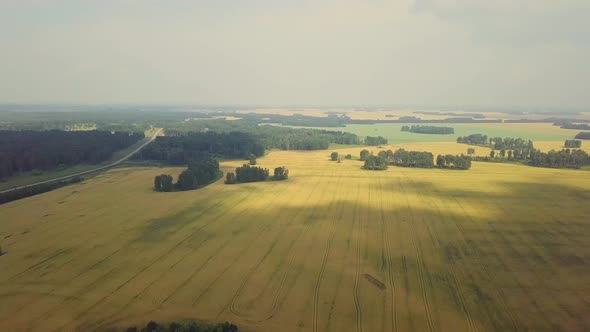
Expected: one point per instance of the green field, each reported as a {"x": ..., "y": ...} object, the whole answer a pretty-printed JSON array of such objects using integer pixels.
[
  {"x": 334, "y": 248},
  {"x": 392, "y": 131}
]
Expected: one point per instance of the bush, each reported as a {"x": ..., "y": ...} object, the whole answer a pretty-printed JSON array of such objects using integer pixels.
[
  {"x": 364, "y": 155},
  {"x": 348, "y": 156},
  {"x": 281, "y": 173},
  {"x": 334, "y": 156},
  {"x": 252, "y": 159},
  {"x": 230, "y": 178}
]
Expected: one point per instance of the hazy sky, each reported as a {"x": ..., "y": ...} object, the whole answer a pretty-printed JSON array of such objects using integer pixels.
[{"x": 524, "y": 53}]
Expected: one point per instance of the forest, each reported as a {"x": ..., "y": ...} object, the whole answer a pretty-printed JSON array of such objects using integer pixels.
[
  {"x": 23, "y": 151},
  {"x": 583, "y": 135},
  {"x": 179, "y": 147}
]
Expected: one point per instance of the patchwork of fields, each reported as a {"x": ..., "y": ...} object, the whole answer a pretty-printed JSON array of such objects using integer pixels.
[{"x": 335, "y": 248}]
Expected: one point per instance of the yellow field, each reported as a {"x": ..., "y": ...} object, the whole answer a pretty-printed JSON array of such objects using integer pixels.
[{"x": 335, "y": 248}]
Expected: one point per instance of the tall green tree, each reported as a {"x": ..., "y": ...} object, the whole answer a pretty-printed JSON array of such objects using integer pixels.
[{"x": 364, "y": 155}]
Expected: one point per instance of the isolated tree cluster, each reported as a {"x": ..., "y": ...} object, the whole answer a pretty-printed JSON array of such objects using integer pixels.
[
  {"x": 453, "y": 162},
  {"x": 573, "y": 143}
]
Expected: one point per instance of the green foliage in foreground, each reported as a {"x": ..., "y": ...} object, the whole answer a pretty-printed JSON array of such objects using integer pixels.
[{"x": 184, "y": 326}]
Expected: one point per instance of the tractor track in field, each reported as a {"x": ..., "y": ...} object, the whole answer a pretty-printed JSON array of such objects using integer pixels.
[
  {"x": 389, "y": 261},
  {"x": 91, "y": 267},
  {"x": 357, "y": 275},
  {"x": 245, "y": 196},
  {"x": 318, "y": 283},
  {"x": 212, "y": 282},
  {"x": 420, "y": 264},
  {"x": 453, "y": 272},
  {"x": 233, "y": 304},
  {"x": 143, "y": 269},
  {"x": 500, "y": 295},
  {"x": 94, "y": 248}
]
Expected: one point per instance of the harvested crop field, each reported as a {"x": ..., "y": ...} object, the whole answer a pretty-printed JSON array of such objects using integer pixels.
[{"x": 499, "y": 247}]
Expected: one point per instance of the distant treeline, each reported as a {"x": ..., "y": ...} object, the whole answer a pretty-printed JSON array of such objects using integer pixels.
[
  {"x": 199, "y": 173},
  {"x": 583, "y": 135},
  {"x": 375, "y": 141},
  {"x": 473, "y": 115},
  {"x": 23, "y": 151},
  {"x": 429, "y": 130},
  {"x": 27, "y": 191},
  {"x": 417, "y": 159}
]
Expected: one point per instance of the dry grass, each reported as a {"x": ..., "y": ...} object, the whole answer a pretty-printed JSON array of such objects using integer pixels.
[{"x": 499, "y": 247}]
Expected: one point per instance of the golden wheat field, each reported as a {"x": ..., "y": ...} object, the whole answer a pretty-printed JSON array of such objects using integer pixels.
[{"x": 499, "y": 247}]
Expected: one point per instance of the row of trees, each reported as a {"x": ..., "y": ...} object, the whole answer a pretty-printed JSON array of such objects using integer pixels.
[
  {"x": 419, "y": 129},
  {"x": 473, "y": 139},
  {"x": 23, "y": 151},
  {"x": 16, "y": 194},
  {"x": 583, "y": 135},
  {"x": 573, "y": 143},
  {"x": 375, "y": 141},
  {"x": 497, "y": 143},
  {"x": 248, "y": 173},
  {"x": 565, "y": 158},
  {"x": 405, "y": 158},
  {"x": 453, "y": 162},
  {"x": 198, "y": 173}
]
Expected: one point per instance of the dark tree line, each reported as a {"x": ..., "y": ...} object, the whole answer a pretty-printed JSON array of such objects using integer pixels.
[
  {"x": 429, "y": 130},
  {"x": 179, "y": 147},
  {"x": 453, "y": 162},
  {"x": 375, "y": 141},
  {"x": 23, "y": 151},
  {"x": 573, "y": 143},
  {"x": 473, "y": 139},
  {"x": 560, "y": 159},
  {"x": 583, "y": 135},
  {"x": 198, "y": 173},
  {"x": 16, "y": 194},
  {"x": 405, "y": 158}
]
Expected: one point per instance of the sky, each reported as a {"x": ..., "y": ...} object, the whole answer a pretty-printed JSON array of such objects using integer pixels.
[{"x": 500, "y": 53}]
